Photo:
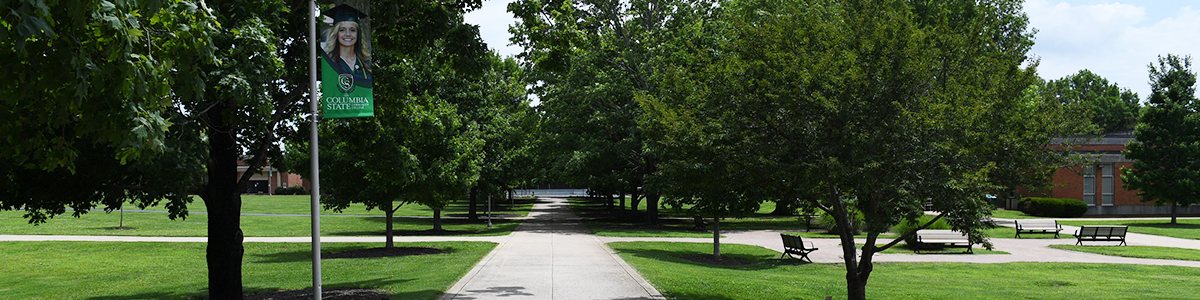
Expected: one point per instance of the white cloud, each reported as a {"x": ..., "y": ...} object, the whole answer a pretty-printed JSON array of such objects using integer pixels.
[{"x": 1115, "y": 40}]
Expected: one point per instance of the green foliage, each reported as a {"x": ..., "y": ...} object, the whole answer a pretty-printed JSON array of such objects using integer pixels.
[
  {"x": 1053, "y": 207},
  {"x": 831, "y": 225},
  {"x": 1110, "y": 107},
  {"x": 871, "y": 107},
  {"x": 88, "y": 105},
  {"x": 1166, "y": 153}
]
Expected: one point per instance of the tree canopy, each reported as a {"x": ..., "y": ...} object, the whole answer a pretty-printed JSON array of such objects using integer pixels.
[
  {"x": 1166, "y": 152},
  {"x": 1109, "y": 107},
  {"x": 856, "y": 107}
]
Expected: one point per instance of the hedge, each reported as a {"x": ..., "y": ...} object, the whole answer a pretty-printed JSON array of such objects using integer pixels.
[{"x": 1053, "y": 207}]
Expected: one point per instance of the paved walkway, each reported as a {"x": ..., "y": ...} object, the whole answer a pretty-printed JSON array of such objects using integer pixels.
[
  {"x": 552, "y": 256},
  {"x": 1021, "y": 250}
]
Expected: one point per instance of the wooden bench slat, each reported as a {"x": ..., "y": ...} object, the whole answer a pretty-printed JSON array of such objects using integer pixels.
[
  {"x": 944, "y": 238},
  {"x": 795, "y": 245},
  {"x": 1038, "y": 226},
  {"x": 1097, "y": 233}
]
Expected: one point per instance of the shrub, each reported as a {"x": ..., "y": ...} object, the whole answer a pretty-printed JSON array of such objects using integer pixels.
[
  {"x": 826, "y": 221},
  {"x": 294, "y": 190},
  {"x": 1053, "y": 207},
  {"x": 905, "y": 227}
]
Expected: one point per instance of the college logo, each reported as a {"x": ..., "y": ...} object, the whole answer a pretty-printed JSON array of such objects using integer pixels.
[{"x": 345, "y": 83}]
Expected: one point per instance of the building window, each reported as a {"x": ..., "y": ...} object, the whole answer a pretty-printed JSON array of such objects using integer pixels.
[
  {"x": 1089, "y": 185},
  {"x": 1107, "y": 185}
]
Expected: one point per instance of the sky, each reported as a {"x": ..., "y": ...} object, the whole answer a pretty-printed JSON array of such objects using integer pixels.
[{"x": 1114, "y": 39}]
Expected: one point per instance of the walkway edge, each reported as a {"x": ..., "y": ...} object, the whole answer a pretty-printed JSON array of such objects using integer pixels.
[
  {"x": 461, "y": 284},
  {"x": 654, "y": 294}
]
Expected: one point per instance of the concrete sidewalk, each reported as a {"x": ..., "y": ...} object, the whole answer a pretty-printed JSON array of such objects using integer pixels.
[{"x": 552, "y": 256}]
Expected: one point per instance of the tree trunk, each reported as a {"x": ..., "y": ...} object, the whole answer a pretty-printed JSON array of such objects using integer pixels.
[
  {"x": 388, "y": 233},
  {"x": 473, "y": 211},
  {"x": 855, "y": 289},
  {"x": 437, "y": 220},
  {"x": 652, "y": 208},
  {"x": 1173, "y": 214},
  {"x": 782, "y": 208},
  {"x": 224, "y": 203},
  {"x": 717, "y": 237},
  {"x": 635, "y": 199},
  {"x": 608, "y": 200},
  {"x": 622, "y": 199}
]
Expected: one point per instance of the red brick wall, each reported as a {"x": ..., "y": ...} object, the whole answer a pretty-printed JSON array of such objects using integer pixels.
[{"x": 1121, "y": 196}]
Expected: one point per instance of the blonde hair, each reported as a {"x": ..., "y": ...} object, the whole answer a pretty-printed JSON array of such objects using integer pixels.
[{"x": 361, "y": 49}]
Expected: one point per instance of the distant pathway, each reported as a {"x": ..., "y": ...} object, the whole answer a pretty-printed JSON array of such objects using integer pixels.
[{"x": 552, "y": 256}]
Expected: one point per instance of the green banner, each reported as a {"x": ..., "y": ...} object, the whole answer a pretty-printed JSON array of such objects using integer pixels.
[{"x": 346, "y": 85}]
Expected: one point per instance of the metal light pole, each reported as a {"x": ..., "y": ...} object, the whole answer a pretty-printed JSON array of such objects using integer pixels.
[
  {"x": 313, "y": 151},
  {"x": 489, "y": 211}
]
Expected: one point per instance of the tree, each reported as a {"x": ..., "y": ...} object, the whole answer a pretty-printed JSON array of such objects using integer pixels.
[
  {"x": 419, "y": 147},
  {"x": 592, "y": 58},
  {"x": 1111, "y": 108},
  {"x": 221, "y": 105},
  {"x": 88, "y": 105},
  {"x": 1166, "y": 154},
  {"x": 857, "y": 107}
]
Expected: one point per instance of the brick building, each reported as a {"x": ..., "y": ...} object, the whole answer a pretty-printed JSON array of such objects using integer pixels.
[
  {"x": 1099, "y": 184},
  {"x": 268, "y": 178}
]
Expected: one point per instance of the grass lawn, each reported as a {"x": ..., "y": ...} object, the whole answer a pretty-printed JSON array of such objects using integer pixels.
[
  {"x": 604, "y": 222},
  {"x": 157, "y": 224},
  {"x": 300, "y": 205},
  {"x": 1153, "y": 252},
  {"x": 1186, "y": 229},
  {"x": 771, "y": 278},
  {"x": 116, "y": 270}
]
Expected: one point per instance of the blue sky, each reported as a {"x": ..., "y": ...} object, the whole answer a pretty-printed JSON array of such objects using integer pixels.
[{"x": 1115, "y": 39}]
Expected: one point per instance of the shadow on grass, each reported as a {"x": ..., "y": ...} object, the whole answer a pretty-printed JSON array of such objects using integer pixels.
[
  {"x": 757, "y": 263},
  {"x": 155, "y": 296},
  {"x": 306, "y": 255},
  {"x": 424, "y": 227}
]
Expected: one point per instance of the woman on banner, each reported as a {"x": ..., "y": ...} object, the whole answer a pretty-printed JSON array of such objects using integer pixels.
[{"x": 343, "y": 47}]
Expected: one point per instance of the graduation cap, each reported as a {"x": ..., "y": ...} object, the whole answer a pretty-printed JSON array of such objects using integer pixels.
[{"x": 344, "y": 12}]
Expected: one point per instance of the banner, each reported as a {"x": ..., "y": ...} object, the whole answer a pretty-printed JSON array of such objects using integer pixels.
[{"x": 346, "y": 86}]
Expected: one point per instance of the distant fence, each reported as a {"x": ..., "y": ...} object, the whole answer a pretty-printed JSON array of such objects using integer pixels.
[{"x": 550, "y": 193}]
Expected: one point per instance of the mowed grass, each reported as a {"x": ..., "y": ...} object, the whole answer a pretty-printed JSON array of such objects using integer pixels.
[
  {"x": 196, "y": 224},
  {"x": 301, "y": 205},
  {"x": 121, "y": 270},
  {"x": 771, "y": 278},
  {"x": 1152, "y": 252},
  {"x": 618, "y": 223},
  {"x": 1186, "y": 229},
  {"x": 157, "y": 224}
]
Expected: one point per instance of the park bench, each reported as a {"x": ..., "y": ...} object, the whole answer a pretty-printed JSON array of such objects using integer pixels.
[
  {"x": 1038, "y": 226},
  {"x": 1097, "y": 233},
  {"x": 942, "y": 238},
  {"x": 700, "y": 223},
  {"x": 795, "y": 245}
]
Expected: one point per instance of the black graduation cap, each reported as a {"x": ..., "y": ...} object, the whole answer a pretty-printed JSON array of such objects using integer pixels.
[{"x": 344, "y": 12}]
